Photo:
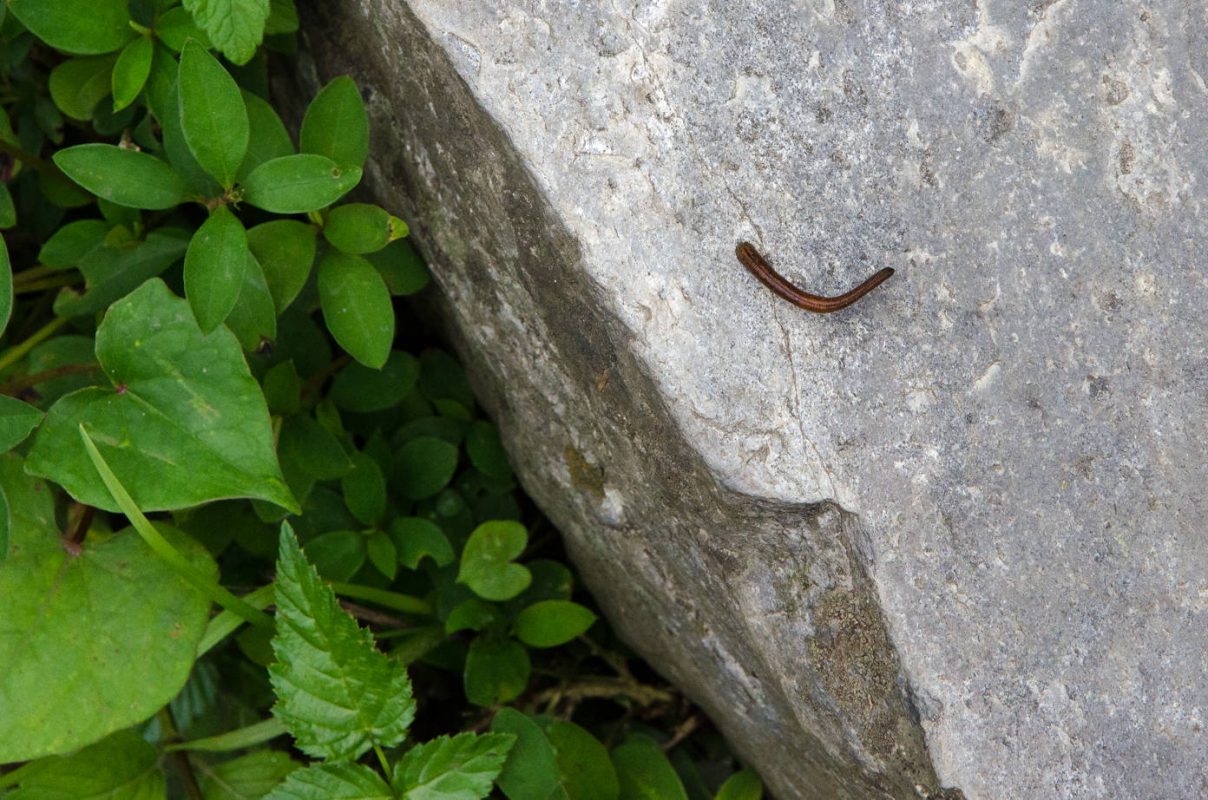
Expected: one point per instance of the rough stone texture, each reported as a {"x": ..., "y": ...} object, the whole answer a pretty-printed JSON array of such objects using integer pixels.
[{"x": 953, "y": 536}]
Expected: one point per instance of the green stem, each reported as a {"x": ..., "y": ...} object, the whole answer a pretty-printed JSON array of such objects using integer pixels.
[
  {"x": 18, "y": 352},
  {"x": 27, "y": 275},
  {"x": 377, "y": 748},
  {"x": 48, "y": 283},
  {"x": 225, "y": 623},
  {"x": 249, "y": 736},
  {"x": 204, "y": 583},
  {"x": 399, "y": 602}
]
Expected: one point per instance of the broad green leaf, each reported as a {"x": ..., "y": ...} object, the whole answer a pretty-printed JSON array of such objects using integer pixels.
[
  {"x": 253, "y": 320},
  {"x": 160, "y": 88},
  {"x": 486, "y": 451},
  {"x": 298, "y": 184},
  {"x": 17, "y": 419},
  {"x": 184, "y": 422},
  {"x": 285, "y": 249},
  {"x": 401, "y": 267},
  {"x": 282, "y": 388},
  {"x": 125, "y": 177},
  {"x": 584, "y": 769},
  {"x": 423, "y": 466},
  {"x": 131, "y": 71},
  {"x": 486, "y": 561},
  {"x": 8, "y": 212},
  {"x": 213, "y": 117},
  {"x": 644, "y": 771},
  {"x": 235, "y": 27},
  {"x": 214, "y": 267},
  {"x": 78, "y": 84},
  {"x": 336, "y": 692},
  {"x": 123, "y": 766},
  {"x": 251, "y": 776},
  {"x": 550, "y": 623},
  {"x": 360, "y": 228},
  {"x": 283, "y": 18},
  {"x": 6, "y": 286},
  {"x": 364, "y": 490},
  {"x": 496, "y": 671},
  {"x": 6, "y": 523},
  {"x": 742, "y": 785},
  {"x": 175, "y": 26},
  {"x": 531, "y": 771},
  {"x": 363, "y": 390},
  {"x": 382, "y": 554},
  {"x": 416, "y": 539},
  {"x": 463, "y": 767},
  {"x": 81, "y": 27},
  {"x": 268, "y": 138},
  {"x": 306, "y": 445},
  {"x": 72, "y": 242},
  {"x": 337, "y": 555},
  {"x": 110, "y": 273},
  {"x": 143, "y": 621},
  {"x": 175, "y": 147},
  {"x": 336, "y": 125},
  {"x": 356, "y": 307},
  {"x": 333, "y": 782}
]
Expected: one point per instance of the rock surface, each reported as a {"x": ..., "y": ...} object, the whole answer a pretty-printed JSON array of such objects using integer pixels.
[{"x": 953, "y": 536}]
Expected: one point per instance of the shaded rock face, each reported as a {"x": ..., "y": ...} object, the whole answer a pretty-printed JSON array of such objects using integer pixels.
[{"x": 953, "y": 536}]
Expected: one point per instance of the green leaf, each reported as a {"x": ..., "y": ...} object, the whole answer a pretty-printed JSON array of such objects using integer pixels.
[
  {"x": 336, "y": 693},
  {"x": 282, "y": 19},
  {"x": 486, "y": 451},
  {"x": 175, "y": 147},
  {"x": 235, "y": 27},
  {"x": 6, "y": 524},
  {"x": 359, "y": 228},
  {"x": 550, "y": 623},
  {"x": 123, "y": 766},
  {"x": 110, "y": 273},
  {"x": 184, "y": 423},
  {"x": 401, "y": 267},
  {"x": 336, "y": 124},
  {"x": 251, "y": 776},
  {"x": 212, "y": 114},
  {"x": 742, "y": 785},
  {"x": 298, "y": 184},
  {"x": 531, "y": 771},
  {"x": 268, "y": 137},
  {"x": 363, "y": 390},
  {"x": 72, "y": 242},
  {"x": 416, "y": 538},
  {"x": 282, "y": 388},
  {"x": 364, "y": 490},
  {"x": 78, "y": 84},
  {"x": 382, "y": 554},
  {"x": 584, "y": 769},
  {"x": 6, "y": 286},
  {"x": 486, "y": 561},
  {"x": 254, "y": 317},
  {"x": 463, "y": 767},
  {"x": 124, "y": 177},
  {"x": 356, "y": 307},
  {"x": 423, "y": 466},
  {"x": 175, "y": 26},
  {"x": 81, "y": 27},
  {"x": 644, "y": 771},
  {"x": 143, "y": 622},
  {"x": 496, "y": 670},
  {"x": 307, "y": 446},
  {"x": 17, "y": 420},
  {"x": 8, "y": 212},
  {"x": 472, "y": 615},
  {"x": 285, "y": 249},
  {"x": 214, "y": 268},
  {"x": 333, "y": 782},
  {"x": 131, "y": 71},
  {"x": 337, "y": 555}
]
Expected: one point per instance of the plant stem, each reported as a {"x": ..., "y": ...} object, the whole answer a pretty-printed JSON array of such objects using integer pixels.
[
  {"x": 181, "y": 760},
  {"x": 17, "y": 352},
  {"x": 20, "y": 383},
  {"x": 399, "y": 602},
  {"x": 248, "y": 736}
]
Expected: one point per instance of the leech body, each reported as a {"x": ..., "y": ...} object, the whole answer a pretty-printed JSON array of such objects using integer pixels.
[{"x": 761, "y": 269}]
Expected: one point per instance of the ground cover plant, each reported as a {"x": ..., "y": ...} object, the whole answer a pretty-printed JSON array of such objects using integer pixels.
[{"x": 256, "y": 537}]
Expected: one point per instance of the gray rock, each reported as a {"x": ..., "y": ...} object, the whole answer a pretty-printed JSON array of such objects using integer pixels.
[{"x": 952, "y": 536}]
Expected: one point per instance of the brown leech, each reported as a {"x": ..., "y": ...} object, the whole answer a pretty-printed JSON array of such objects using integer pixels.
[{"x": 761, "y": 269}]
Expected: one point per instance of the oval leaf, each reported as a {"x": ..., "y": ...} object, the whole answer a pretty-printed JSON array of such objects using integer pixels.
[
  {"x": 17, "y": 420},
  {"x": 285, "y": 249},
  {"x": 363, "y": 390},
  {"x": 123, "y": 177},
  {"x": 78, "y": 84},
  {"x": 358, "y": 228},
  {"x": 357, "y": 308},
  {"x": 644, "y": 771},
  {"x": 268, "y": 138},
  {"x": 583, "y": 765},
  {"x": 298, "y": 184},
  {"x": 6, "y": 286},
  {"x": 423, "y": 466},
  {"x": 550, "y": 623},
  {"x": 486, "y": 562},
  {"x": 212, "y": 115},
  {"x": 531, "y": 771},
  {"x": 497, "y": 670},
  {"x": 82, "y": 27},
  {"x": 131, "y": 71},
  {"x": 214, "y": 267},
  {"x": 336, "y": 124}
]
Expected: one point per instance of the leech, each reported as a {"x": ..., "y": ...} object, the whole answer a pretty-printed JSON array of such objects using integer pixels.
[{"x": 761, "y": 269}]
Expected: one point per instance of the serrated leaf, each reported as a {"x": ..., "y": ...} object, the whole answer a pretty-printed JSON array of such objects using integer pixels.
[
  {"x": 285, "y": 249},
  {"x": 82, "y": 27},
  {"x": 183, "y": 423},
  {"x": 299, "y": 183},
  {"x": 110, "y": 273},
  {"x": 251, "y": 776},
  {"x": 78, "y": 84},
  {"x": 235, "y": 27},
  {"x": 463, "y": 767},
  {"x": 123, "y": 766},
  {"x": 549, "y": 623},
  {"x": 213, "y": 117},
  {"x": 363, "y": 390},
  {"x": 336, "y": 125},
  {"x": 496, "y": 670},
  {"x": 644, "y": 771},
  {"x": 356, "y": 307},
  {"x": 531, "y": 771},
  {"x": 17, "y": 420},
  {"x": 486, "y": 561},
  {"x": 131, "y": 71},
  {"x": 143, "y": 621},
  {"x": 333, "y": 782},
  {"x": 214, "y": 267},
  {"x": 124, "y": 177},
  {"x": 336, "y": 693}
]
